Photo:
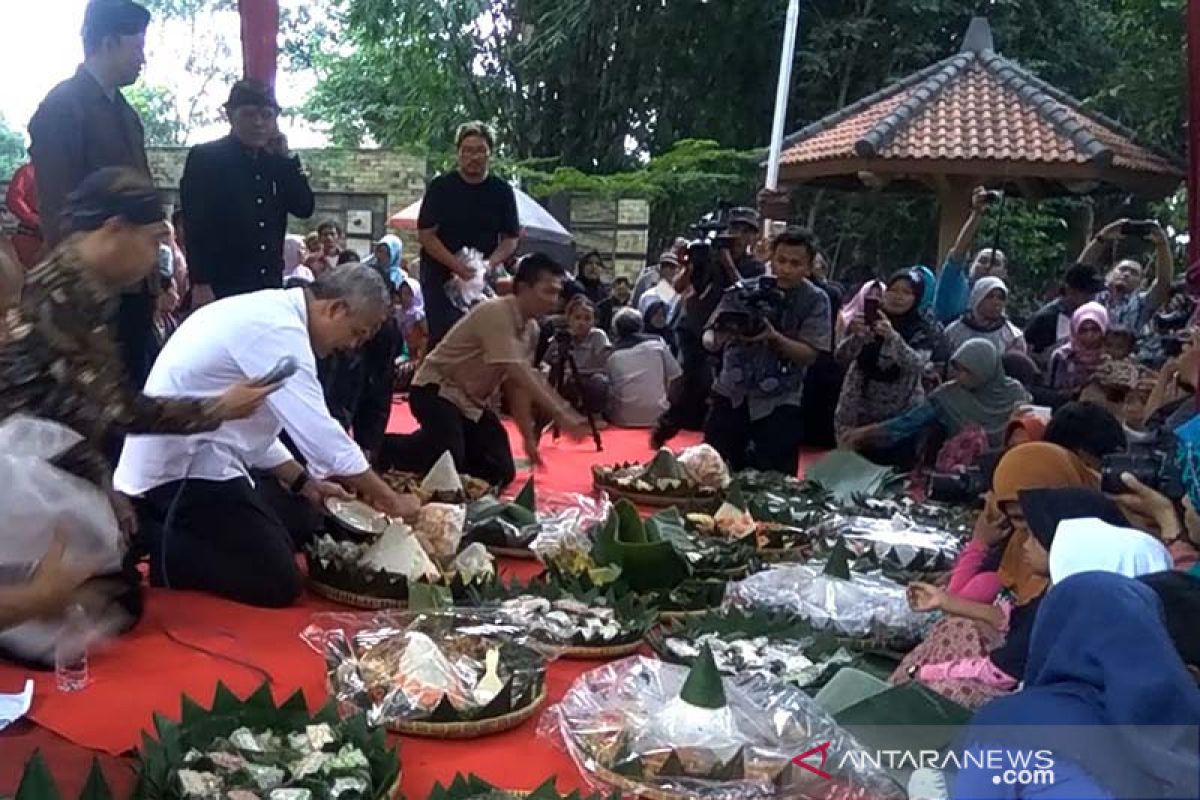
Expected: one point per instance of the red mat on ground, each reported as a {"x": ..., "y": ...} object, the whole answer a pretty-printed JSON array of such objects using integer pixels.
[{"x": 187, "y": 642}]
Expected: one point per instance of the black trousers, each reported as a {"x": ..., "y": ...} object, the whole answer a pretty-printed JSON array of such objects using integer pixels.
[
  {"x": 221, "y": 537},
  {"x": 479, "y": 449},
  {"x": 440, "y": 313},
  {"x": 771, "y": 443},
  {"x": 822, "y": 388},
  {"x": 689, "y": 394}
]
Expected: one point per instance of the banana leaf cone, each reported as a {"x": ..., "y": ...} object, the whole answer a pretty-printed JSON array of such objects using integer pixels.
[
  {"x": 647, "y": 561},
  {"x": 703, "y": 686},
  {"x": 838, "y": 565},
  {"x": 471, "y": 787},
  {"x": 38, "y": 784},
  {"x": 199, "y": 728},
  {"x": 665, "y": 465}
]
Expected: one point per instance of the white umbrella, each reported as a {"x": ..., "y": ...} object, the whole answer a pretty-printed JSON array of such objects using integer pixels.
[{"x": 537, "y": 224}]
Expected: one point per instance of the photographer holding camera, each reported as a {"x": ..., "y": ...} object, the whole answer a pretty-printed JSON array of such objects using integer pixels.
[
  {"x": 1129, "y": 306},
  {"x": 768, "y": 331},
  {"x": 702, "y": 280}
]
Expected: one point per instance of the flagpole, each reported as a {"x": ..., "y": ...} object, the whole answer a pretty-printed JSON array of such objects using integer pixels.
[{"x": 786, "y": 57}]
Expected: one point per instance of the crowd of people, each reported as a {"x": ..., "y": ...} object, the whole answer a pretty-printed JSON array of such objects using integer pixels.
[{"x": 222, "y": 378}]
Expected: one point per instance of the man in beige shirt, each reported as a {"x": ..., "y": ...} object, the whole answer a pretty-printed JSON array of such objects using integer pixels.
[{"x": 455, "y": 390}]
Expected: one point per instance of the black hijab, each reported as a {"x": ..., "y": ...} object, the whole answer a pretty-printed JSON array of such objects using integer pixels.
[
  {"x": 1180, "y": 595},
  {"x": 914, "y": 326}
]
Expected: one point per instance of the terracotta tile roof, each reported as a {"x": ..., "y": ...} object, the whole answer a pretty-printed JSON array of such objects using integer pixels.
[{"x": 974, "y": 106}]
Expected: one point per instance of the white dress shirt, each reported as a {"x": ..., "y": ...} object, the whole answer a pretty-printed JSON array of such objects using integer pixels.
[{"x": 232, "y": 340}]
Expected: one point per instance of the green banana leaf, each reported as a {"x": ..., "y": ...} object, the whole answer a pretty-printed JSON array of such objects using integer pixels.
[{"x": 847, "y": 475}]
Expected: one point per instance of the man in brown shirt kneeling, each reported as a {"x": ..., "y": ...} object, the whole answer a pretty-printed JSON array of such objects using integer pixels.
[{"x": 454, "y": 391}]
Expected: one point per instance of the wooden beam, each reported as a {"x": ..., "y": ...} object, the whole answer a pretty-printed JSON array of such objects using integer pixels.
[{"x": 954, "y": 201}]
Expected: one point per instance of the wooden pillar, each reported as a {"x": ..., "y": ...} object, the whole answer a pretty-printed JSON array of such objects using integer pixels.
[{"x": 954, "y": 206}]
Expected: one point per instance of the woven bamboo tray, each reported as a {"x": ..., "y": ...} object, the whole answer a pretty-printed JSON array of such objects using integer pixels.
[
  {"x": 583, "y": 653},
  {"x": 472, "y": 729},
  {"x": 676, "y": 616},
  {"x": 512, "y": 552},
  {"x": 351, "y": 599},
  {"x": 633, "y": 789},
  {"x": 685, "y": 503}
]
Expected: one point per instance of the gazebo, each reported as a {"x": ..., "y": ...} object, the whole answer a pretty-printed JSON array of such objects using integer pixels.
[{"x": 974, "y": 118}]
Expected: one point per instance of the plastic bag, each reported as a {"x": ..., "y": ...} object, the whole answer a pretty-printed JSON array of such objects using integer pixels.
[
  {"x": 466, "y": 293},
  {"x": 40, "y": 500},
  {"x": 398, "y": 666},
  {"x": 622, "y": 721},
  {"x": 439, "y": 527},
  {"x": 865, "y": 606},
  {"x": 705, "y": 466},
  {"x": 564, "y": 528},
  {"x": 897, "y": 541}
]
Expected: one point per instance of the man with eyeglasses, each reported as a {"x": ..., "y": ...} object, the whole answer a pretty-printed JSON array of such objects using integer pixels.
[
  {"x": 236, "y": 194},
  {"x": 465, "y": 208}
]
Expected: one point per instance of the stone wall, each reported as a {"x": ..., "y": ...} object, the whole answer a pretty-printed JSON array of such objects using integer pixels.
[{"x": 358, "y": 188}]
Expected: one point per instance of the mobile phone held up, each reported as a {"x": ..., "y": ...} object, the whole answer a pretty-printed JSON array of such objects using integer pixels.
[
  {"x": 1137, "y": 228},
  {"x": 871, "y": 310},
  {"x": 285, "y": 368}
]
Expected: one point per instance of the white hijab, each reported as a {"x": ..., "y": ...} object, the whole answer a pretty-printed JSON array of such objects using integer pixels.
[{"x": 1090, "y": 545}]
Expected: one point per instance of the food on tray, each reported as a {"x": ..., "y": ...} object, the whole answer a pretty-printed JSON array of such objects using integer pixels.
[
  {"x": 439, "y": 526},
  {"x": 832, "y": 598},
  {"x": 443, "y": 484},
  {"x": 664, "y": 480},
  {"x": 251, "y": 748},
  {"x": 429, "y": 667},
  {"x": 470, "y": 787},
  {"x": 497, "y": 523},
  {"x": 655, "y": 729},
  {"x": 776, "y": 646},
  {"x": 896, "y": 542},
  {"x": 386, "y": 569},
  {"x": 705, "y": 466}
]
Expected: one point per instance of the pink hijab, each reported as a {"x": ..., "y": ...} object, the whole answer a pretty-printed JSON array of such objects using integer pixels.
[
  {"x": 856, "y": 304},
  {"x": 1088, "y": 312}
]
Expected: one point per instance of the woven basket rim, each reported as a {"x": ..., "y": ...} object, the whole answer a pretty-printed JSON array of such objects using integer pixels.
[
  {"x": 469, "y": 729},
  {"x": 353, "y": 599},
  {"x": 660, "y": 500},
  {"x": 522, "y": 553},
  {"x": 583, "y": 653}
]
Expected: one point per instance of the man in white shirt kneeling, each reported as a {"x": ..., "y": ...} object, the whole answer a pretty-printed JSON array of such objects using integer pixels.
[{"x": 207, "y": 525}]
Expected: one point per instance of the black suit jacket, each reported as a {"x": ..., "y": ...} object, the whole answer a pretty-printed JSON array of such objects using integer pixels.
[{"x": 235, "y": 208}]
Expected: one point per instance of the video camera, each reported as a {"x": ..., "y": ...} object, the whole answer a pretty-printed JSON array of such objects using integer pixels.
[
  {"x": 968, "y": 486},
  {"x": 746, "y": 307},
  {"x": 710, "y": 238},
  {"x": 1153, "y": 463}
]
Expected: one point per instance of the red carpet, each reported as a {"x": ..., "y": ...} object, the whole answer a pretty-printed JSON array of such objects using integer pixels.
[{"x": 187, "y": 642}]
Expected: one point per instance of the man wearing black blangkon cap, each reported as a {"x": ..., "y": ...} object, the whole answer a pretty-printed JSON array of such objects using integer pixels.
[
  {"x": 236, "y": 195},
  {"x": 85, "y": 124}
]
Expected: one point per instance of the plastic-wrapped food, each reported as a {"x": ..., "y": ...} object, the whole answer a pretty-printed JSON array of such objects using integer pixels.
[
  {"x": 627, "y": 725},
  {"x": 466, "y": 293},
  {"x": 397, "y": 552},
  {"x": 896, "y": 541},
  {"x": 862, "y": 606},
  {"x": 439, "y": 526},
  {"x": 705, "y": 466},
  {"x": 562, "y": 538},
  {"x": 474, "y": 562},
  {"x": 403, "y": 666}
]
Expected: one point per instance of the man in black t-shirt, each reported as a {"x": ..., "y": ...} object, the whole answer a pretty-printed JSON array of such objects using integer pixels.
[{"x": 464, "y": 208}]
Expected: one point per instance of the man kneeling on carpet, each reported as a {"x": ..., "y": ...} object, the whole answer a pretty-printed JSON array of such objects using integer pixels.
[
  {"x": 453, "y": 391},
  {"x": 208, "y": 523}
]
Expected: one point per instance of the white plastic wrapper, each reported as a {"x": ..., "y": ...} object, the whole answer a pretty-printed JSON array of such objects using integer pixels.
[
  {"x": 564, "y": 524},
  {"x": 897, "y": 541},
  {"x": 705, "y": 465},
  {"x": 466, "y": 293},
  {"x": 39, "y": 500},
  {"x": 622, "y": 721},
  {"x": 439, "y": 528},
  {"x": 867, "y": 606}
]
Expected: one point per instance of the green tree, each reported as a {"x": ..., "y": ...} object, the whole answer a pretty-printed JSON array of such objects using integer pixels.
[
  {"x": 12, "y": 149},
  {"x": 159, "y": 110}
]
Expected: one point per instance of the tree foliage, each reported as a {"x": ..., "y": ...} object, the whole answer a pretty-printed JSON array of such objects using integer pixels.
[
  {"x": 159, "y": 109},
  {"x": 12, "y": 149}
]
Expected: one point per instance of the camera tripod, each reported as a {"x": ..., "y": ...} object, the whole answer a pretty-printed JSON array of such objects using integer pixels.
[{"x": 560, "y": 380}]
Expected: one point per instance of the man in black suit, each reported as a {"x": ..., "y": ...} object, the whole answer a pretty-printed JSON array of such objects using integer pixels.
[{"x": 236, "y": 195}]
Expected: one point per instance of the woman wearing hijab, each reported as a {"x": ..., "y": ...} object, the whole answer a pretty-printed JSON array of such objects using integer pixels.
[
  {"x": 1073, "y": 364},
  {"x": 294, "y": 271},
  {"x": 885, "y": 362},
  {"x": 386, "y": 256},
  {"x": 1105, "y": 692},
  {"x": 656, "y": 316},
  {"x": 973, "y": 628},
  {"x": 590, "y": 275},
  {"x": 980, "y": 397},
  {"x": 1180, "y": 595},
  {"x": 857, "y": 304},
  {"x": 928, "y": 288},
  {"x": 986, "y": 319}
]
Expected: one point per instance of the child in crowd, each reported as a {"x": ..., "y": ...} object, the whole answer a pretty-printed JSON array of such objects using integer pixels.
[
  {"x": 589, "y": 347},
  {"x": 1115, "y": 380},
  {"x": 1074, "y": 363}
]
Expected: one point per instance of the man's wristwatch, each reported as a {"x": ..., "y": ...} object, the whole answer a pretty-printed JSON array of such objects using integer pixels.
[{"x": 301, "y": 481}]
